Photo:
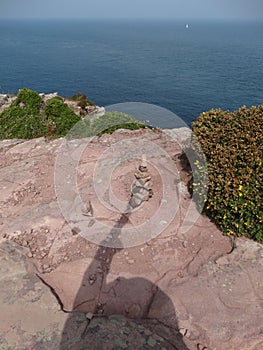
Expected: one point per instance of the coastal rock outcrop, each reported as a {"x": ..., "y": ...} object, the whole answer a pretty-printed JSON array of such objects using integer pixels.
[
  {"x": 91, "y": 110},
  {"x": 5, "y": 101},
  {"x": 191, "y": 289}
]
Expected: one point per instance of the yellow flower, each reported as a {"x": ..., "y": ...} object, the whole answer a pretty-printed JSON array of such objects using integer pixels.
[
  {"x": 240, "y": 187},
  {"x": 230, "y": 232},
  {"x": 240, "y": 194},
  {"x": 224, "y": 217}
]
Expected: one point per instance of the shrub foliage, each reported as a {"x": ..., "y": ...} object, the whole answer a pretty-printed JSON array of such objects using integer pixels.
[
  {"x": 30, "y": 117},
  {"x": 28, "y": 98},
  {"x": 22, "y": 119},
  {"x": 82, "y": 100},
  {"x": 25, "y": 118},
  {"x": 233, "y": 145},
  {"x": 60, "y": 117}
]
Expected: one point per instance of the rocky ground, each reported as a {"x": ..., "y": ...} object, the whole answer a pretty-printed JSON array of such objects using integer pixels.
[{"x": 175, "y": 283}]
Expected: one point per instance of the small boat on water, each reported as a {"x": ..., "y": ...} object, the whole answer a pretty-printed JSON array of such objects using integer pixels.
[{"x": 187, "y": 26}]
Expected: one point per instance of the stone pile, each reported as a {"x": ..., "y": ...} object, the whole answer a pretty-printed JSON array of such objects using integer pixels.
[{"x": 141, "y": 190}]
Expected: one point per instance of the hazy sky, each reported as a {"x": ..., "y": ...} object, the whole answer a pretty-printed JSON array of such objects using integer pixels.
[{"x": 184, "y": 9}]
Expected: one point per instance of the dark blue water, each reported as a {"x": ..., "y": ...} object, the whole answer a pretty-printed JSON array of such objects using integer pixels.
[{"x": 209, "y": 65}]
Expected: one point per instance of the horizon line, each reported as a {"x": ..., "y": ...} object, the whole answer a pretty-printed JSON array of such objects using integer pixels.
[{"x": 186, "y": 19}]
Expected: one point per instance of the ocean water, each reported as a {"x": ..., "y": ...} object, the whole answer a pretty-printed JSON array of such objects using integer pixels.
[{"x": 188, "y": 71}]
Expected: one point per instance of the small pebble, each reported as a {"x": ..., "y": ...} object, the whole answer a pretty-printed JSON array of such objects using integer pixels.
[
  {"x": 89, "y": 315},
  {"x": 147, "y": 332},
  {"x": 184, "y": 244},
  {"x": 74, "y": 232},
  {"x": 125, "y": 330},
  {"x": 183, "y": 331},
  {"x": 163, "y": 222},
  {"x": 151, "y": 341}
]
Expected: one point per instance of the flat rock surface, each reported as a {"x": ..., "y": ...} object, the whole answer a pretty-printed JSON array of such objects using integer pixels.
[
  {"x": 178, "y": 285},
  {"x": 31, "y": 317}
]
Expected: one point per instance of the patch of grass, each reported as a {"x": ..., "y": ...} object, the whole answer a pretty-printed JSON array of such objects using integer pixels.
[
  {"x": 106, "y": 124},
  {"x": 112, "y": 121}
]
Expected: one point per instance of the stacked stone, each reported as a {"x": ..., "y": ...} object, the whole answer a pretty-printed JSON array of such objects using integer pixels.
[{"x": 141, "y": 190}]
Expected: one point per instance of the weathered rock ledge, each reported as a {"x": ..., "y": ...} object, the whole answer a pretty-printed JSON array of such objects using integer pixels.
[{"x": 192, "y": 290}]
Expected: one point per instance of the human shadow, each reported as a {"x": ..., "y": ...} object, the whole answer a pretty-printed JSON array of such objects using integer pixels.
[{"x": 136, "y": 299}]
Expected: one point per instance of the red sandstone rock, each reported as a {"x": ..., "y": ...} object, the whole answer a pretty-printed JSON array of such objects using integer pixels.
[{"x": 189, "y": 279}]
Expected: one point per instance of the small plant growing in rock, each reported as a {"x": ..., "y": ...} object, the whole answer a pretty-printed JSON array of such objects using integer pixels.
[{"x": 82, "y": 100}]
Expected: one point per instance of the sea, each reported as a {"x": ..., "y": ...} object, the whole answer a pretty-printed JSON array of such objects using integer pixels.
[{"x": 186, "y": 68}]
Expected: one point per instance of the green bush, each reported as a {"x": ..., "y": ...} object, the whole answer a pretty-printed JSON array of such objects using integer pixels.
[
  {"x": 22, "y": 119},
  {"x": 61, "y": 115},
  {"x": 30, "y": 99},
  {"x": 233, "y": 145},
  {"x": 26, "y": 119},
  {"x": 16, "y": 122}
]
